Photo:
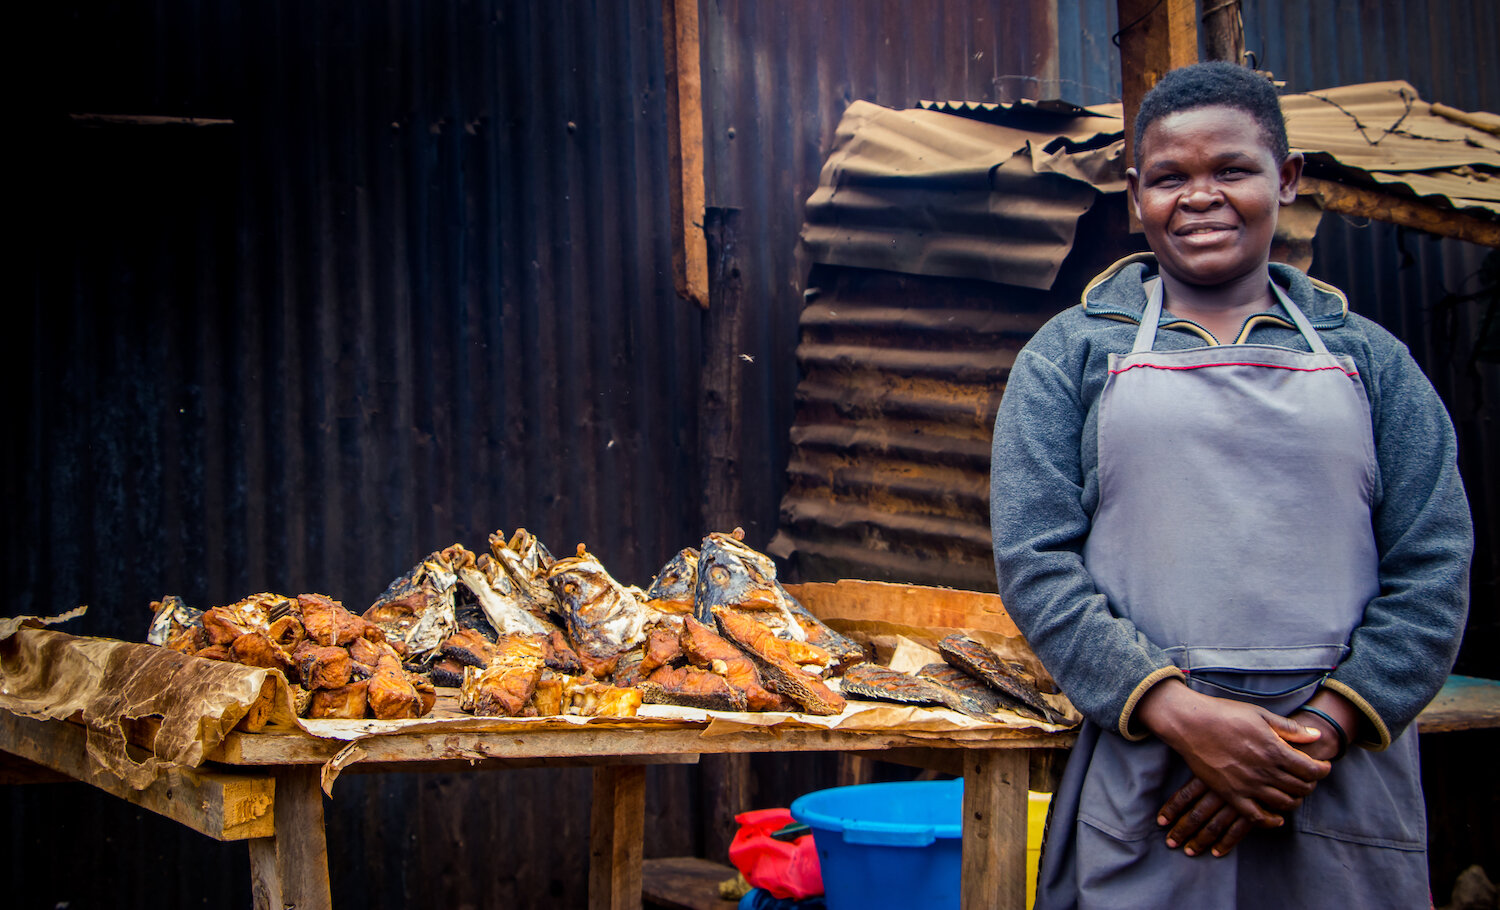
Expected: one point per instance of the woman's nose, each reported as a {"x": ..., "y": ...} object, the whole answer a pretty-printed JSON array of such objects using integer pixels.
[{"x": 1201, "y": 196}]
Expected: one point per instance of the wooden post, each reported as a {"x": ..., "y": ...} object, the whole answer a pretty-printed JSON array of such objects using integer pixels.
[
  {"x": 725, "y": 778},
  {"x": 290, "y": 869},
  {"x": 685, "y": 147},
  {"x": 617, "y": 830},
  {"x": 1155, "y": 36},
  {"x": 1224, "y": 30},
  {"x": 721, "y": 427},
  {"x": 994, "y": 848}
]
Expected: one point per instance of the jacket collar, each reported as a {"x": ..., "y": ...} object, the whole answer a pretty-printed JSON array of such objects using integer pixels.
[{"x": 1118, "y": 293}]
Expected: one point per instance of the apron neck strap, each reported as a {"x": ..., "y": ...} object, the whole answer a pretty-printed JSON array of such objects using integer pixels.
[
  {"x": 1145, "y": 336},
  {"x": 1303, "y": 326}
]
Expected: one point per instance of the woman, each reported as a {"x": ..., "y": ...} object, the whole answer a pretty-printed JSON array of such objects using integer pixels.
[{"x": 1227, "y": 515}]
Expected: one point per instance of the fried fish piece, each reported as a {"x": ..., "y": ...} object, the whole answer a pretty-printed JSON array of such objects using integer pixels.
[
  {"x": 503, "y": 688},
  {"x": 734, "y": 576},
  {"x": 323, "y": 666},
  {"x": 526, "y": 561},
  {"x": 956, "y": 679},
  {"x": 469, "y": 647},
  {"x": 547, "y": 700},
  {"x": 974, "y": 658},
  {"x": 593, "y": 699},
  {"x": 708, "y": 650},
  {"x": 328, "y": 623},
  {"x": 190, "y": 640},
  {"x": 346, "y": 702},
  {"x": 777, "y": 669},
  {"x": 691, "y": 687},
  {"x": 874, "y": 682},
  {"x": 391, "y": 694},
  {"x": 448, "y": 672},
  {"x": 663, "y": 648},
  {"x": 256, "y": 649}
]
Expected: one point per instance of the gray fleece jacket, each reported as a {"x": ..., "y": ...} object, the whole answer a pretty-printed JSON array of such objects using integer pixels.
[{"x": 1044, "y": 489}]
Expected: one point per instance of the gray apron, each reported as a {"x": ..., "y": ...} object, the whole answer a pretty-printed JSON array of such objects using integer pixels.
[{"x": 1233, "y": 529}]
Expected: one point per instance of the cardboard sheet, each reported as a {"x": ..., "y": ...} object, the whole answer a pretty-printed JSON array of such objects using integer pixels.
[{"x": 112, "y": 686}]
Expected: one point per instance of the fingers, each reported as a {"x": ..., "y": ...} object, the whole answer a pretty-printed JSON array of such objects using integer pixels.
[
  {"x": 1190, "y": 826},
  {"x": 1232, "y": 836},
  {"x": 1172, "y": 810},
  {"x": 1213, "y": 831}
]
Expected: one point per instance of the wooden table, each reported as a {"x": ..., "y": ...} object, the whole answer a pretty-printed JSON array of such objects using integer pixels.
[{"x": 265, "y": 788}]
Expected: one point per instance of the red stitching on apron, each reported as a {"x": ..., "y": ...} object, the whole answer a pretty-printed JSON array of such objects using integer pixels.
[{"x": 1269, "y": 366}]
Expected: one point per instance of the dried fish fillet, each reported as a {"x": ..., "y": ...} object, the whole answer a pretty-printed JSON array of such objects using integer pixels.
[
  {"x": 780, "y": 673},
  {"x": 974, "y": 658},
  {"x": 874, "y": 682}
]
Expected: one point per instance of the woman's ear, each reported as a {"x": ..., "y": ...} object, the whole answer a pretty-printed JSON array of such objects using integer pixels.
[
  {"x": 1290, "y": 174},
  {"x": 1133, "y": 187}
]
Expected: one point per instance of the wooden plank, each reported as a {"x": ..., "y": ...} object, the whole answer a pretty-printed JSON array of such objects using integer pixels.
[
  {"x": 617, "y": 831},
  {"x": 461, "y": 766},
  {"x": 918, "y": 606},
  {"x": 15, "y": 770},
  {"x": 684, "y": 96},
  {"x": 1464, "y": 703},
  {"x": 223, "y": 805},
  {"x": 1224, "y": 30},
  {"x": 1155, "y": 36},
  {"x": 298, "y": 748},
  {"x": 685, "y": 883},
  {"x": 1413, "y": 213},
  {"x": 290, "y": 868},
  {"x": 994, "y": 847}
]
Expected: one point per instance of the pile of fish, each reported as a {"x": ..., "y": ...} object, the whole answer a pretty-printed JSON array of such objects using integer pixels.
[
  {"x": 522, "y": 634},
  {"x": 339, "y": 664}
]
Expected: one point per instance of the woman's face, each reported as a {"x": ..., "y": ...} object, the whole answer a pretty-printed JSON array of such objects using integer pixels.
[{"x": 1207, "y": 193}]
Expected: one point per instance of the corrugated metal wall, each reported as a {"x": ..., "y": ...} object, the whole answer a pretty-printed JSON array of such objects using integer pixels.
[
  {"x": 419, "y": 290},
  {"x": 777, "y": 77}
]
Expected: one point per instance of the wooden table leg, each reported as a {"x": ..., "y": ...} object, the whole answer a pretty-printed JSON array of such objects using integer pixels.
[
  {"x": 617, "y": 830},
  {"x": 290, "y": 869},
  {"x": 994, "y": 851}
]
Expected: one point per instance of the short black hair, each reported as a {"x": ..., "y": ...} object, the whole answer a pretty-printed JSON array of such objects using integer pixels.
[{"x": 1215, "y": 84}]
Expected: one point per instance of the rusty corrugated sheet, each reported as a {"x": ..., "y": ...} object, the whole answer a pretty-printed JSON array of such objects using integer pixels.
[
  {"x": 777, "y": 78},
  {"x": 902, "y": 374}
]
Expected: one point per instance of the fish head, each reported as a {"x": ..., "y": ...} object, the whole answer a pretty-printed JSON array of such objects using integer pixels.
[
  {"x": 678, "y": 580},
  {"x": 730, "y": 573}
]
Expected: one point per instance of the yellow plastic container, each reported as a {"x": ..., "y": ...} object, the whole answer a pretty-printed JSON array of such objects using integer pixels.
[{"x": 1036, "y": 825}]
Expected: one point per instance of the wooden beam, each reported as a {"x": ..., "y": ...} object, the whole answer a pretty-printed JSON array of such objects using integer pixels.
[
  {"x": 290, "y": 868},
  {"x": 224, "y": 806},
  {"x": 994, "y": 844},
  {"x": 1155, "y": 36},
  {"x": 1407, "y": 212},
  {"x": 1224, "y": 30},
  {"x": 616, "y": 836},
  {"x": 684, "y": 85}
]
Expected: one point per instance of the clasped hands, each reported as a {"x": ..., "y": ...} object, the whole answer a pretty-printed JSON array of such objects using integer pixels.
[{"x": 1250, "y": 766}]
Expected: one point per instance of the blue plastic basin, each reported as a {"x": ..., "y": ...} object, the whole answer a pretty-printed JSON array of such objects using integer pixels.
[{"x": 891, "y": 846}]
